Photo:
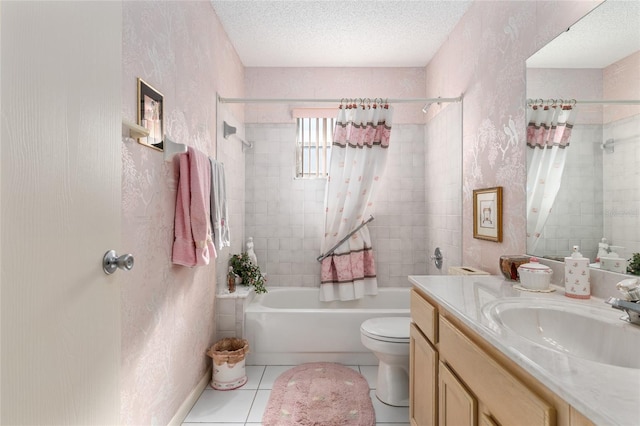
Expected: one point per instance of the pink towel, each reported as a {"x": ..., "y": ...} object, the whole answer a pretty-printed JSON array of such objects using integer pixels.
[{"x": 193, "y": 245}]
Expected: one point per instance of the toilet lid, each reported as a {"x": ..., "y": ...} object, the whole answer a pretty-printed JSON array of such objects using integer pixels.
[{"x": 387, "y": 329}]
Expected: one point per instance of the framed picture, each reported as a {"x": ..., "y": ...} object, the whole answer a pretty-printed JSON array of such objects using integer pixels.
[
  {"x": 150, "y": 115},
  {"x": 487, "y": 214}
]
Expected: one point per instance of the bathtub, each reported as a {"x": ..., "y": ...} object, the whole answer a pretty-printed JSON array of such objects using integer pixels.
[{"x": 290, "y": 326}]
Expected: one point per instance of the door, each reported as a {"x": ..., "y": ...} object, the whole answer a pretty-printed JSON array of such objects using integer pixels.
[
  {"x": 424, "y": 380},
  {"x": 60, "y": 69},
  {"x": 457, "y": 407}
]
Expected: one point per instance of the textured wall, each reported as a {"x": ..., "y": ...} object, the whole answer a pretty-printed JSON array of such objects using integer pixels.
[
  {"x": 332, "y": 83},
  {"x": 621, "y": 80},
  {"x": 484, "y": 57},
  {"x": 181, "y": 49}
]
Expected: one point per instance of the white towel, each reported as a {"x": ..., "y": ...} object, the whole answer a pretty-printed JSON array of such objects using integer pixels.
[{"x": 219, "y": 212}]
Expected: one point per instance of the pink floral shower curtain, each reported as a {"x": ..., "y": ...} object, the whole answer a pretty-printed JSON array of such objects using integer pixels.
[
  {"x": 358, "y": 158},
  {"x": 548, "y": 136}
]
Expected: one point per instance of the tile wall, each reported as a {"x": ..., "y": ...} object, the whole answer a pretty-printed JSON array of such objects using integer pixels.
[
  {"x": 621, "y": 190},
  {"x": 576, "y": 217},
  {"x": 284, "y": 215},
  {"x": 443, "y": 183}
]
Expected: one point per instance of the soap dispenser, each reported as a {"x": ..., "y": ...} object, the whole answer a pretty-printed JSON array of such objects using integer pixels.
[{"x": 577, "y": 282}]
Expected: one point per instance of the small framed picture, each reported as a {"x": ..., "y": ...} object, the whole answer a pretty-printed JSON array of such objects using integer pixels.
[
  {"x": 150, "y": 115},
  {"x": 487, "y": 214}
]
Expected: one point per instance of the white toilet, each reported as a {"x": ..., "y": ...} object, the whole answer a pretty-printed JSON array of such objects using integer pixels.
[{"x": 388, "y": 339}]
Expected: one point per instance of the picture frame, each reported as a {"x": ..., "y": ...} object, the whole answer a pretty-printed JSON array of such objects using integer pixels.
[
  {"x": 487, "y": 214},
  {"x": 151, "y": 115}
]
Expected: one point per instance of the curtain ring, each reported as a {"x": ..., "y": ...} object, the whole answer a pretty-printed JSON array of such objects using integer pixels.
[
  {"x": 368, "y": 102},
  {"x": 341, "y": 103}
]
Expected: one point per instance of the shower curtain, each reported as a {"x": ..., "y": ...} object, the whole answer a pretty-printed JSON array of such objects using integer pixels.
[
  {"x": 358, "y": 158},
  {"x": 548, "y": 136}
]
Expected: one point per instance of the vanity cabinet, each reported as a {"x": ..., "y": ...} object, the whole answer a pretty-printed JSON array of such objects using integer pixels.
[
  {"x": 457, "y": 406},
  {"x": 422, "y": 388},
  {"x": 457, "y": 378}
]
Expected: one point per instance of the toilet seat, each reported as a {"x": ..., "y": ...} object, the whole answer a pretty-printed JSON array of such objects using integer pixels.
[{"x": 387, "y": 329}]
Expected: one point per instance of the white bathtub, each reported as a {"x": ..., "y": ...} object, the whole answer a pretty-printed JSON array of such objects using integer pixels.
[{"x": 289, "y": 325}]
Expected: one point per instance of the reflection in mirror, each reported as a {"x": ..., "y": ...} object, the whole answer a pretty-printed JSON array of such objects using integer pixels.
[
  {"x": 590, "y": 171},
  {"x": 150, "y": 115}
]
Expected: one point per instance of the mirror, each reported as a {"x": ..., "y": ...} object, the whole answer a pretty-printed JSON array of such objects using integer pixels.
[{"x": 596, "y": 60}]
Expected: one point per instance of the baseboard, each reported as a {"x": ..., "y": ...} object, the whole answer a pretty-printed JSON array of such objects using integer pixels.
[{"x": 192, "y": 398}]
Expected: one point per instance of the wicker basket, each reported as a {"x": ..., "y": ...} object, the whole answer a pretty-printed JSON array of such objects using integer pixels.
[{"x": 228, "y": 357}]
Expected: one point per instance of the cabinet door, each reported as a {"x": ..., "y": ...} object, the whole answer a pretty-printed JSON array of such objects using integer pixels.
[
  {"x": 457, "y": 407},
  {"x": 423, "y": 380}
]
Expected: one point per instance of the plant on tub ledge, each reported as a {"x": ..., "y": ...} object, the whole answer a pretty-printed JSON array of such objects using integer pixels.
[
  {"x": 248, "y": 272},
  {"x": 634, "y": 264}
]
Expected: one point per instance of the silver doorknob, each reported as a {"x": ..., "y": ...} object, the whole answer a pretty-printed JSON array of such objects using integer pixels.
[{"x": 111, "y": 261}]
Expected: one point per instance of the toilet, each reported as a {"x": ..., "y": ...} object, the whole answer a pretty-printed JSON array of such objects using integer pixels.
[{"x": 388, "y": 339}]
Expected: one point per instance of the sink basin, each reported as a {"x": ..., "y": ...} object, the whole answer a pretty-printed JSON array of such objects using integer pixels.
[{"x": 583, "y": 331}]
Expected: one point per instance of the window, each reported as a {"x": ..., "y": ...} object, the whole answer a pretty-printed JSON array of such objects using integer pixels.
[{"x": 314, "y": 137}]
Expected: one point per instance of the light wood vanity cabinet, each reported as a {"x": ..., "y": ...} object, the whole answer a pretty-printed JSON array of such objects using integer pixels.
[{"x": 458, "y": 379}]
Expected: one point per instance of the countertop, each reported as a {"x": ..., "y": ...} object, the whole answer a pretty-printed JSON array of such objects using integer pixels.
[{"x": 607, "y": 395}]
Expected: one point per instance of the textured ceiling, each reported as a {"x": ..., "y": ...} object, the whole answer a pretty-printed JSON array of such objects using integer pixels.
[
  {"x": 347, "y": 33},
  {"x": 606, "y": 35}
]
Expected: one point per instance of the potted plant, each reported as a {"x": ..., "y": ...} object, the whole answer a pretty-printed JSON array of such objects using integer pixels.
[
  {"x": 248, "y": 272},
  {"x": 634, "y": 264}
]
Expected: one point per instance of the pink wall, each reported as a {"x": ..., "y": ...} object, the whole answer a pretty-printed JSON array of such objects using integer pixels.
[
  {"x": 331, "y": 83},
  {"x": 181, "y": 49},
  {"x": 621, "y": 80},
  {"x": 484, "y": 57}
]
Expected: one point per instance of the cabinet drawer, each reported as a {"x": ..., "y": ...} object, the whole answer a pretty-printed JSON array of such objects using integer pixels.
[
  {"x": 508, "y": 400},
  {"x": 424, "y": 315}
]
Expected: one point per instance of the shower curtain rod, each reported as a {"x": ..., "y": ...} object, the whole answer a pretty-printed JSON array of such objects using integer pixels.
[
  {"x": 337, "y": 101},
  {"x": 592, "y": 101}
]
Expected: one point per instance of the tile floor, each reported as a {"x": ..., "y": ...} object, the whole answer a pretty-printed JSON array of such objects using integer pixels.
[{"x": 245, "y": 406}]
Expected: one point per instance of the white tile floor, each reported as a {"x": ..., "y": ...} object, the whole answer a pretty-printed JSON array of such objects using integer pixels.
[{"x": 246, "y": 405}]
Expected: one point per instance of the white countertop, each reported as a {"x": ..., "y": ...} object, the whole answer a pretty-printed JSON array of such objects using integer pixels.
[{"x": 607, "y": 395}]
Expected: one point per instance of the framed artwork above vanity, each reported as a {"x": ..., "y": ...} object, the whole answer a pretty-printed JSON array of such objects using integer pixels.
[{"x": 487, "y": 214}]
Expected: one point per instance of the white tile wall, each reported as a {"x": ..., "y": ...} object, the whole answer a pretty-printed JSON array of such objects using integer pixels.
[
  {"x": 229, "y": 152},
  {"x": 284, "y": 215},
  {"x": 230, "y": 309},
  {"x": 621, "y": 189},
  {"x": 443, "y": 187},
  {"x": 576, "y": 217}
]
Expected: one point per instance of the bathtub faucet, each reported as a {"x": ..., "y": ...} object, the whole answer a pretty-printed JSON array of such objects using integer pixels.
[{"x": 631, "y": 308}]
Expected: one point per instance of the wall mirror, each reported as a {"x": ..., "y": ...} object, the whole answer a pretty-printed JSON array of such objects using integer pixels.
[
  {"x": 150, "y": 115},
  {"x": 594, "y": 67}
]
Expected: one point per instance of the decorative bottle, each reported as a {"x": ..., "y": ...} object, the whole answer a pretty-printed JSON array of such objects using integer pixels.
[
  {"x": 252, "y": 254},
  {"x": 577, "y": 282},
  {"x": 231, "y": 280}
]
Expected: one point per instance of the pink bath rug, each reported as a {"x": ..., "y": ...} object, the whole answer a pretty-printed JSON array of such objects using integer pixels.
[{"x": 320, "y": 394}]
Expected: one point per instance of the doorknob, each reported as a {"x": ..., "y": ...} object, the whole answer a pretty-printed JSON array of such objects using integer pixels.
[{"x": 111, "y": 261}]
